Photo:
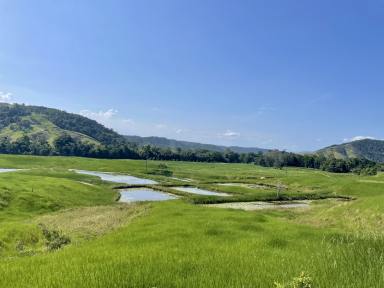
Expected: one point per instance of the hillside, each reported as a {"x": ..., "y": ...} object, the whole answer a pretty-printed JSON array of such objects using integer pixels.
[
  {"x": 46, "y": 124},
  {"x": 35, "y": 130},
  {"x": 170, "y": 143},
  {"x": 368, "y": 149}
]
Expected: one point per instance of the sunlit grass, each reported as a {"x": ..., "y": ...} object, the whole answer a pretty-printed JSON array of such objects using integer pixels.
[{"x": 180, "y": 244}]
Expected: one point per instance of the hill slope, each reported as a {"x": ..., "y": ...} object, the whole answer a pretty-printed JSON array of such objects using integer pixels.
[
  {"x": 368, "y": 149},
  {"x": 43, "y": 124},
  {"x": 170, "y": 143},
  {"x": 47, "y": 124}
]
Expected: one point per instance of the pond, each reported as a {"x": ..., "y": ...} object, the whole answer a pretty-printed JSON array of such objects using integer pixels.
[
  {"x": 230, "y": 184},
  {"x": 144, "y": 194},
  {"x": 194, "y": 190},
  {"x": 260, "y": 205},
  {"x": 2, "y": 170},
  {"x": 127, "y": 179}
]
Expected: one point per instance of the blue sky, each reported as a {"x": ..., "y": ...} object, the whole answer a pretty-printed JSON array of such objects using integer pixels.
[{"x": 294, "y": 75}]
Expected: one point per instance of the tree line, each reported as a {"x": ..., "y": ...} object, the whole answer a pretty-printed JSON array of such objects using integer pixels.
[
  {"x": 280, "y": 159},
  {"x": 66, "y": 145}
]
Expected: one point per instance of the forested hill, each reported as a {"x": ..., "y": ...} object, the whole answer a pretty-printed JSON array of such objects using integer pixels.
[
  {"x": 46, "y": 124},
  {"x": 45, "y": 131},
  {"x": 43, "y": 124},
  {"x": 365, "y": 149},
  {"x": 170, "y": 143}
]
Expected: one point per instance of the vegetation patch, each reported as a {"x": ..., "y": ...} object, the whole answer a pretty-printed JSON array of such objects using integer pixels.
[
  {"x": 5, "y": 198},
  {"x": 162, "y": 169},
  {"x": 54, "y": 239},
  {"x": 91, "y": 222}
]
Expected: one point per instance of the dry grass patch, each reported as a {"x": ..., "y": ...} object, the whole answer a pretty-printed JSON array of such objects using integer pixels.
[{"x": 90, "y": 222}]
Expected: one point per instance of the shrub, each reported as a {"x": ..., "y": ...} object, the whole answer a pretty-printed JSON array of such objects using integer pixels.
[
  {"x": 303, "y": 281},
  {"x": 368, "y": 171},
  {"x": 163, "y": 170},
  {"x": 54, "y": 239}
]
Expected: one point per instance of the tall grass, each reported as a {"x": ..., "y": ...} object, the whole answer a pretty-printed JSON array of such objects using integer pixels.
[
  {"x": 180, "y": 244},
  {"x": 177, "y": 245}
]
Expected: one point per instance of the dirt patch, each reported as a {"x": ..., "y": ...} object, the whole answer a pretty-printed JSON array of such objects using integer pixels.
[
  {"x": 259, "y": 205},
  {"x": 90, "y": 222}
]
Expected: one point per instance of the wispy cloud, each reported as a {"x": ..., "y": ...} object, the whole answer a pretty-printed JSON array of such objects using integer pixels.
[
  {"x": 264, "y": 109},
  {"x": 315, "y": 99},
  {"x": 110, "y": 119},
  {"x": 100, "y": 115},
  {"x": 5, "y": 97},
  {"x": 256, "y": 113},
  {"x": 161, "y": 126},
  {"x": 357, "y": 138},
  {"x": 229, "y": 134}
]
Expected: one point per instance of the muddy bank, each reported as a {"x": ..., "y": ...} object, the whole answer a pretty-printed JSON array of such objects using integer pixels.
[{"x": 260, "y": 205}]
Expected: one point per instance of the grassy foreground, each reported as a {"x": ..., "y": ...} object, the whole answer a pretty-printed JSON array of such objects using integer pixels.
[{"x": 180, "y": 244}]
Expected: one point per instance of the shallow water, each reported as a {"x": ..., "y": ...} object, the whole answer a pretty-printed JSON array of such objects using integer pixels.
[
  {"x": 259, "y": 205},
  {"x": 182, "y": 179},
  {"x": 2, "y": 170},
  {"x": 194, "y": 190},
  {"x": 143, "y": 194},
  {"x": 230, "y": 184},
  {"x": 246, "y": 185},
  {"x": 127, "y": 179}
]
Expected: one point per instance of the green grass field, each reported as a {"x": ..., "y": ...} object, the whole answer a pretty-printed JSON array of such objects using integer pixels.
[{"x": 181, "y": 243}]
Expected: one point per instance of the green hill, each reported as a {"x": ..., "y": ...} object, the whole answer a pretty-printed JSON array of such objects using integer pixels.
[
  {"x": 46, "y": 124},
  {"x": 366, "y": 149},
  {"x": 43, "y": 126}
]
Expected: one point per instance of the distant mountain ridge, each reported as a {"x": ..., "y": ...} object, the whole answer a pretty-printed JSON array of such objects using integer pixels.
[
  {"x": 171, "y": 143},
  {"x": 46, "y": 124},
  {"x": 370, "y": 149}
]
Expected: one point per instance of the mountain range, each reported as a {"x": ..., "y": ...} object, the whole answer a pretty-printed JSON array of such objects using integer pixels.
[
  {"x": 46, "y": 124},
  {"x": 171, "y": 143}
]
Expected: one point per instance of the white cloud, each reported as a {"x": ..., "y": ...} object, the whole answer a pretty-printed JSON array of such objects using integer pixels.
[
  {"x": 357, "y": 138},
  {"x": 110, "y": 119},
  {"x": 128, "y": 121},
  {"x": 108, "y": 114},
  {"x": 5, "y": 97},
  {"x": 160, "y": 126},
  {"x": 230, "y": 134}
]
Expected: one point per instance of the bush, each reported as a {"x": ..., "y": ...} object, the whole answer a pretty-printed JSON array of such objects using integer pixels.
[
  {"x": 370, "y": 171},
  {"x": 303, "y": 281},
  {"x": 162, "y": 170},
  {"x": 54, "y": 239}
]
